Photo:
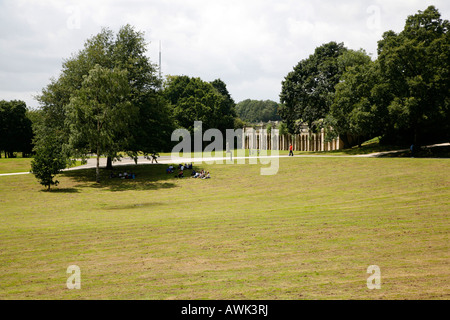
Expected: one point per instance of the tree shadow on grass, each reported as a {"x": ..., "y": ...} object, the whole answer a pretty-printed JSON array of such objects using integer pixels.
[
  {"x": 423, "y": 152},
  {"x": 147, "y": 177},
  {"x": 134, "y": 206},
  {"x": 61, "y": 190}
]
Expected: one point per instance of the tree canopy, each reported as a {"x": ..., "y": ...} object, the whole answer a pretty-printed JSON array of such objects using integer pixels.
[
  {"x": 403, "y": 96},
  {"x": 258, "y": 110},
  {"x": 15, "y": 128},
  {"x": 99, "y": 113},
  {"x": 415, "y": 63},
  {"x": 193, "y": 99},
  {"x": 146, "y": 122},
  {"x": 308, "y": 91}
]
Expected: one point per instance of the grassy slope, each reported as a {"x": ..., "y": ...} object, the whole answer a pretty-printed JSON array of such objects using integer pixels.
[
  {"x": 14, "y": 165},
  {"x": 309, "y": 232}
]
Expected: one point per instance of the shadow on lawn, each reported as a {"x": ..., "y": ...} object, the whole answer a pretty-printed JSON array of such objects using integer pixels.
[
  {"x": 423, "y": 152},
  {"x": 148, "y": 177},
  {"x": 62, "y": 190}
]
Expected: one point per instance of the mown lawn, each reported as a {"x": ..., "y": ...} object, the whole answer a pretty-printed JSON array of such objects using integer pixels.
[
  {"x": 14, "y": 165},
  {"x": 308, "y": 232}
]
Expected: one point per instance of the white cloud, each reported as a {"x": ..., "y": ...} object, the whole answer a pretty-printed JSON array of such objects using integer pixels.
[{"x": 251, "y": 44}]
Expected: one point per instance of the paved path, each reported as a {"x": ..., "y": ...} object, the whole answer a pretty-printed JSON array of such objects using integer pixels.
[{"x": 92, "y": 162}]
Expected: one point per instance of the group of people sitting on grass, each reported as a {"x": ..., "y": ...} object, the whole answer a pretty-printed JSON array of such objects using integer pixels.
[
  {"x": 202, "y": 174},
  {"x": 124, "y": 175}
]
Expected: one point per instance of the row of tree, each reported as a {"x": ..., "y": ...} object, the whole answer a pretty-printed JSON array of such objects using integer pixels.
[
  {"x": 254, "y": 111},
  {"x": 402, "y": 96},
  {"x": 15, "y": 128},
  {"x": 109, "y": 100}
]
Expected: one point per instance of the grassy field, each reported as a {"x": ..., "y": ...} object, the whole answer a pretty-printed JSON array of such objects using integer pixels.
[
  {"x": 309, "y": 232},
  {"x": 14, "y": 165}
]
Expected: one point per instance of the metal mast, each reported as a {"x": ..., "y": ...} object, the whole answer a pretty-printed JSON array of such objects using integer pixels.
[{"x": 160, "y": 78}]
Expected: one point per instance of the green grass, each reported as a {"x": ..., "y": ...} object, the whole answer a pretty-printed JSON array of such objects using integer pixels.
[
  {"x": 309, "y": 232},
  {"x": 14, "y": 165}
]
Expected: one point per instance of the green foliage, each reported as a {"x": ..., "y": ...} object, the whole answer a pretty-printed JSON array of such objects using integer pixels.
[
  {"x": 193, "y": 99},
  {"x": 48, "y": 160},
  {"x": 147, "y": 119},
  {"x": 283, "y": 128},
  {"x": 403, "y": 96},
  {"x": 99, "y": 113},
  {"x": 15, "y": 128},
  {"x": 308, "y": 91},
  {"x": 416, "y": 66},
  {"x": 354, "y": 111},
  {"x": 238, "y": 123},
  {"x": 258, "y": 110}
]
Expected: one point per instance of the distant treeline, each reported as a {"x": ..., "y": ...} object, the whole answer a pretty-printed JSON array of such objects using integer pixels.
[
  {"x": 258, "y": 111},
  {"x": 15, "y": 129}
]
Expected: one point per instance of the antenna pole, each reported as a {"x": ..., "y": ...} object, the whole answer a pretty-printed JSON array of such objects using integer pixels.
[{"x": 160, "y": 60}]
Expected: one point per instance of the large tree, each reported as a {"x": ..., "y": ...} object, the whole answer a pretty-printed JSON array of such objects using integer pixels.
[
  {"x": 308, "y": 91},
  {"x": 357, "y": 111},
  {"x": 193, "y": 99},
  {"x": 126, "y": 51},
  {"x": 100, "y": 112},
  {"x": 415, "y": 63}
]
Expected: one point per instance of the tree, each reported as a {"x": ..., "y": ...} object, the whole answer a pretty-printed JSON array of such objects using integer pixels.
[
  {"x": 227, "y": 111},
  {"x": 416, "y": 65},
  {"x": 125, "y": 50},
  {"x": 308, "y": 91},
  {"x": 15, "y": 128},
  {"x": 100, "y": 112},
  {"x": 48, "y": 160},
  {"x": 193, "y": 99},
  {"x": 354, "y": 114},
  {"x": 154, "y": 124}
]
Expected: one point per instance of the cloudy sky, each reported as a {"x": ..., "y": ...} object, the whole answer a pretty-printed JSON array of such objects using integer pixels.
[{"x": 250, "y": 44}]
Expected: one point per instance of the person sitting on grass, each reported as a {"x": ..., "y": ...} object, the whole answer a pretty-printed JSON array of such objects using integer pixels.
[
  {"x": 180, "y": 174},
  {"x": 198, "y": 174},
  {"x": 207, "y": 176}
]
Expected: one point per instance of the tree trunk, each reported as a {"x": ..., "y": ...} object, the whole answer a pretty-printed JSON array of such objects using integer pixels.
[
  {"x": 415, "y": 135},
  {"x": 109, "y": 163},
  {"x": 97, "y": 169},
  {"x": 344, "y": 139}
]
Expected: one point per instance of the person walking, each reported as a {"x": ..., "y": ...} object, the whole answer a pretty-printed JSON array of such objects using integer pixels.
[
  {"x": 291, "y": 152},
  {"x": 229, "y": 151}
]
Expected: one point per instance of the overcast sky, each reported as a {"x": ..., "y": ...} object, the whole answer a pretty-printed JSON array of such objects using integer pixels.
[{"x": 250, "y": 44}]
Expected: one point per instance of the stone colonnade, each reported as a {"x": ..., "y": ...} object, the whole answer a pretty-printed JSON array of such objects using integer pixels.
[{"x": 260, "y": 139}]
